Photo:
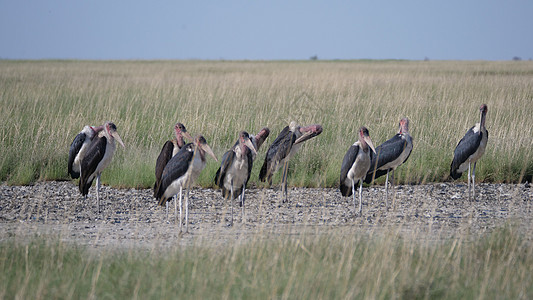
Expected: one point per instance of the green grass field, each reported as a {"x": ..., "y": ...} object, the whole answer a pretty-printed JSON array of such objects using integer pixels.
[{"x": 44, "y": 104}]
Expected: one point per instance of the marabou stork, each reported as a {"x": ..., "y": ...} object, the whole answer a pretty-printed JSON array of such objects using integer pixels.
[
  {"x": 391, "y": 155},
  {"x": 470, "y": 148},
  {"x": 355, "y": 166},
  {"x": 283, "y": 148},
  {"x": 97, "y": 158},
  {"x": 181, "y": 171},
  {"x": 235, "y": 170},
  {"x": 79, "y": 147},
  {"x": 170, "y": 149}
]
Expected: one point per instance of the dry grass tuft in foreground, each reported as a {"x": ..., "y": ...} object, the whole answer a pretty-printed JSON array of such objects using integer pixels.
[{"x": 333, "y": 265}]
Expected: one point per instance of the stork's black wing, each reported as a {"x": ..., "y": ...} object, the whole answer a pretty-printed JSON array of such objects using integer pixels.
[
  {"x": 280, "y": 148},
  {"x": 90, "y": 162},
  {"x": 465, "y": 148},
  {"x": 74, "y": 150},
  {"x": 347, "y": 163},
  {"x": 385, "y": 153},
  {"x": 162, "y": 160},
  {"x": 176, "y": 167}
]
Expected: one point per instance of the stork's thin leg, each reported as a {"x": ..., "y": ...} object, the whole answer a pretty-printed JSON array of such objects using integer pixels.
[
  {"x": 387, "y": 190},
  {"x": 360, "y": 197},
  {"x": 231, "y": 200},
  {"x": 392, "y": 186},
  {"x": 181, "y": 218},
  {"x": 469, "y": 182},
  {"x": 166, "y": 204},
  {"x": 98, "y": 192},
  {"x": 353, "y": 196},
  {"x": 474, "y": 182},
  {"x": 187, "y": 211},
  {"x": 175, "y": 208},
  {"x": 284, "y": 181},
  {"x": 242, "y": 203}
]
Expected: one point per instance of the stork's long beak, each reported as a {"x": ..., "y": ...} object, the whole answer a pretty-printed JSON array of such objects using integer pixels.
[
  {"x": 310, "y": 132},
  {"x": 209, "y": 151},
  {"x": 187, "y": 135},
  {"x": 250, "y": 146},
  {"x": 369, "y": 142},
  {"x": 117, "y": 137},
  {"x": 261, "y": 137}
]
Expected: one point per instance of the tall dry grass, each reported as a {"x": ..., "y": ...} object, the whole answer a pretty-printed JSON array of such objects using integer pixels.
[
  {"x": 44, "y": 104},
  {"x": 333, "y": 264}
]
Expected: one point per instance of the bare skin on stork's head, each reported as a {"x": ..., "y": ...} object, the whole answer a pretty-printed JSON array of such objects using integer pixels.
[
  {"x": 364, "y": 139},
  {"x": 201, "y": 144},
  {"x": 110, "y": 130},
  {"x": 181, "y": 132},
  {"x": 308, "y": 132},
  {"x": 404, "y": 126},
  {"x": 246, "y": 143}
]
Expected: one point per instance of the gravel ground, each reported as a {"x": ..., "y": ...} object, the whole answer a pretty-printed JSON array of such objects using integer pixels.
[{"x": 130, "y": 218}]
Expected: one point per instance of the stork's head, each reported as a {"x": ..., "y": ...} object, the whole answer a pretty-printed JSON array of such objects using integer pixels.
[
  {"x": 261, "y": 137},
  {"x": 203, "y": 147},
  {"x": 181, "y": 132},
  {"x": 111, "y": 130},
  {"x": 483, "y": 108},
  {"x": 308, "y": 132},
  {"x": 404, "y": 126},
  {"x": 364, "y": 139},
  {"x": 245, "y": 142}
]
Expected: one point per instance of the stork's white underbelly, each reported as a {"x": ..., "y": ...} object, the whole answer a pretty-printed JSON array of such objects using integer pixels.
[
  {"x": 237, "y": 173},
  {"x": 186, "y": 180},
  {"x": 106, "y": 160},
  {"x": 76, "y": 166},
  {"x": 359, "y": 168}
]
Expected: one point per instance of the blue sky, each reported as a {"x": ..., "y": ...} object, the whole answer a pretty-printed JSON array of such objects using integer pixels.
[{"x": 266, "y": 30}]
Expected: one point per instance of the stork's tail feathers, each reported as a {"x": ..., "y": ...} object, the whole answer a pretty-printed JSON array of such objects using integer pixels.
[
  {"x": 346, "y": 190},
  {"x": 263, "y": 172},
  {"x": 453, "y": 170},
  {"x": 162, "y": 201},
  {"x": 454, "y": 174},
  {"x": 74, "y": 174},
  {"x": 84, "y": 186},
  {"x": 158, "y": 194}
]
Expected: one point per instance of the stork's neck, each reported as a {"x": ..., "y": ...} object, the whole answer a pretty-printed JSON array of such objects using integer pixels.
[
  {"x": 363, "y": 144},
  {"x": 201, "y": 153},
  {"x": 179, "y": 140},
  {"x": 482, "y": 122}
]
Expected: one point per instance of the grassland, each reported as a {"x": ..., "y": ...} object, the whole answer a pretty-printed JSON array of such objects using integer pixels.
[
  {"x": 335, "y": 265},
  {"x": 44, "y": 104}
]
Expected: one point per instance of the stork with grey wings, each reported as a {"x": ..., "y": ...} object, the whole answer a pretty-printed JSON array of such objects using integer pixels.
[
  {"x": 235, "y": 170},
  {"x": 355, "y": 166},
  {"x": 170, "y": 149},
  {"x": 180, "y": 172},
  {"x": 390, "y": 155},
  {"x": 469, "y": 149},
  {"x": 97, "y": 158},
  {"x": 283, "y": 148},
  {"x": 79, "y": 147}
]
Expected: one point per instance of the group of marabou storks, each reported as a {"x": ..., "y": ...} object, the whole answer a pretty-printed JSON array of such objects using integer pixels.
[{"x": 179, "y": 164}]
